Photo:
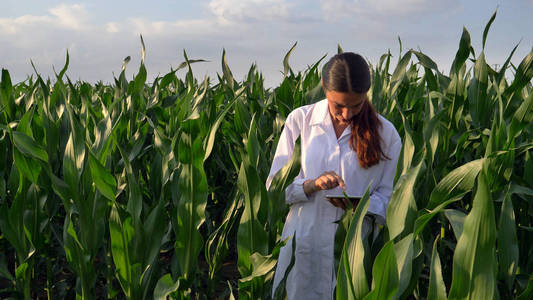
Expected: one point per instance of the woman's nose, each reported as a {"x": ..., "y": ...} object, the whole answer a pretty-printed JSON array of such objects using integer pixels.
[{"x": 347, "y": 114}]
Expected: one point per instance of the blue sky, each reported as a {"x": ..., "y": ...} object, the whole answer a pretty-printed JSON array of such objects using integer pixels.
[{"x": 99, "y": 34}]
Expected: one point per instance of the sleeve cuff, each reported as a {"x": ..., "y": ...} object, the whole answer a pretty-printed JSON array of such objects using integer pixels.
[
  {"x": 295, "y": 192},
  {"x": 378, "y": 208}
]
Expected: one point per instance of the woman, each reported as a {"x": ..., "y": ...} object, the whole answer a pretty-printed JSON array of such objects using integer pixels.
[{"x": 345, "y": 145}]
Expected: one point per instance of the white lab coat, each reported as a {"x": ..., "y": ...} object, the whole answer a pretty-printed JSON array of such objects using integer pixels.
[{"x": 312, "y": 218}]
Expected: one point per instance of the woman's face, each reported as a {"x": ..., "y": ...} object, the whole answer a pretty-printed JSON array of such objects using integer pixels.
[{"x": 344, "y": 106}]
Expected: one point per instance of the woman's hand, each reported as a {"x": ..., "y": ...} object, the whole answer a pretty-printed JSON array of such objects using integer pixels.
[
  {"x": 325, "y": 181},
  {"x": 339, "y": 202}
]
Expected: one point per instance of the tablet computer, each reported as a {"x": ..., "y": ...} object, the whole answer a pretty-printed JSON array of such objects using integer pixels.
[{"x": 353, "y": 199}]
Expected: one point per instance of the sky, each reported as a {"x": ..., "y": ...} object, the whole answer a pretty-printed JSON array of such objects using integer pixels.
[{"x": 100, "y": 34}]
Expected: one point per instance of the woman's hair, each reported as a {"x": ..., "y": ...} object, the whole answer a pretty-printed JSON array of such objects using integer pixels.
[{"x": 349, "y": 73}]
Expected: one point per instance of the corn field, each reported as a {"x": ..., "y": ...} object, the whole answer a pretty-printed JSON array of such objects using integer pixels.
[{"x": 137, "y": 190}]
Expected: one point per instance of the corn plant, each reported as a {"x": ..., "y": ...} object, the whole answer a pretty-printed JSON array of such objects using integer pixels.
[{"x": 145, "y": 190}]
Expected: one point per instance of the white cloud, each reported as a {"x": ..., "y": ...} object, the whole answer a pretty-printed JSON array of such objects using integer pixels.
[
  {"x": 253, "y": 31},
  {"x": 70, "y": 16},
  {"x": 335, "y": 9},
  {"x": 231, "y": 11},
  {"x": 181, "y": 28},
  {"x": 97, "y": 49},
  {"x": 14, "y": 25},
  {"x": 112, "y": 27}
]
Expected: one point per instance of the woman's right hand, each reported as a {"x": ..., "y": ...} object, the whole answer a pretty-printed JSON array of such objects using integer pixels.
[{"x": 325, "y": 181}]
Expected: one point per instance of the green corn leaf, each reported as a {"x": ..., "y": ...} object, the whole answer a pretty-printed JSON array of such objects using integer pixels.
[
  {"x": 253, "y": 146},
  {"x": 4, "y": 271},
  {"x": 65, "y": 67},
  {"x": 474, "y": 258},
  {"x": 436, "y": 289},
  {"x": 231, "y": 297},
  {"x": 217, "y": 245},
  {"x": 28, "y": 146},
  {"x": 351, "y": 275},
  {"x": 29, "y": 167},
  {"x": 228, "y": 77},
  {"x": 210, "y": 141},
  {"x": 75, "y": 145},
  {"x": 152, "y": 236},
  {"x": 280, "y": 292},
  {"x": 487, "y": 27},
  {"x": 426, "y": 61},
  {"x": 103, "y": 180},
  {"x": 6, "y": 94},
  {"x": 425, "y": 217},
  {"x": 12, "y": 227},
  {"x": 401, "y": 70},
  {"x": 477, "y": 93},
  {"x": 501, "y": 73},
  {"x": 193, "y": 187},
  {"x": 251, "y": 235},
  {"x": 122, "y": 232},
  {"x": 457, "y": 220},
  {"x": 401, "y": 211},
  {"x": 385, "y": 274},
  {"x": 79, "y": 258},
  {"x": 458, "y": 181},
  {"x": 339, "y": 49},
  {"x": 276, "y": 191},
  {"x": 21, "y": 271},
  {"x": 462, "y": 53},
  {"x": 523, "y": 76},
  {"x": 25, "y": 122},
  {"x": 286, "y": 66},
  {"x": 407, "y": 154},
  {"x": 404, "y": 251},
  {"x": 528, "y": 291},
  {"x": 134, "y": 206},
  {"x": 143, "y": 49},
  {"x": 507, "y": 242},
  {"x": 104, "y": 132},
  {"x": 261, "y": 265},
  {"x": 522, "y": 117},
  {"x": 165, "y": 286}
]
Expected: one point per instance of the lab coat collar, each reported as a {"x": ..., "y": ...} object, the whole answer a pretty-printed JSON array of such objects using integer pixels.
[{"x": 320, "y": 114}]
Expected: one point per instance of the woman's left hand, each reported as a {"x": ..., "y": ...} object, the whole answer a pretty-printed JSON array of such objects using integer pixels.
[{"x": 339, "y": 202}]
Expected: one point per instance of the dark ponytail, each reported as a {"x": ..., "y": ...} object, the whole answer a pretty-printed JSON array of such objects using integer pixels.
[{"x": 349, "y": 73}]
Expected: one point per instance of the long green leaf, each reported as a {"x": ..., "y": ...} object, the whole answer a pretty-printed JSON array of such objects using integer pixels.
[
  {"x": 474, "y": 259},
  {"x": 192, "y": 183},
  {"x": 351, "y": 275},
  {"x": 507, "y": 242},
  {"x": 436, "y": 289},
  {"x": 103, "y": 180},
  {"x": 487, "y": 27},
  {"x": 385, "y": 274},
  {"x": 462, "y": 53},
  {"x": 165, "y": 286},
  {"x": 477, "y": 93},
  {"x": 457, "y": 220},
  {"x": 121, "y": 232},
  {"x": 401, "y": 211},
  {"x": 286, "y": 66},
  {"x": 457, "y": 182},
  {"x": 404, "y": 251},
  {"x": 228, "y": 77},
  {"x": 523, "y": 76},
  {"x": 28, "y": 146}
]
